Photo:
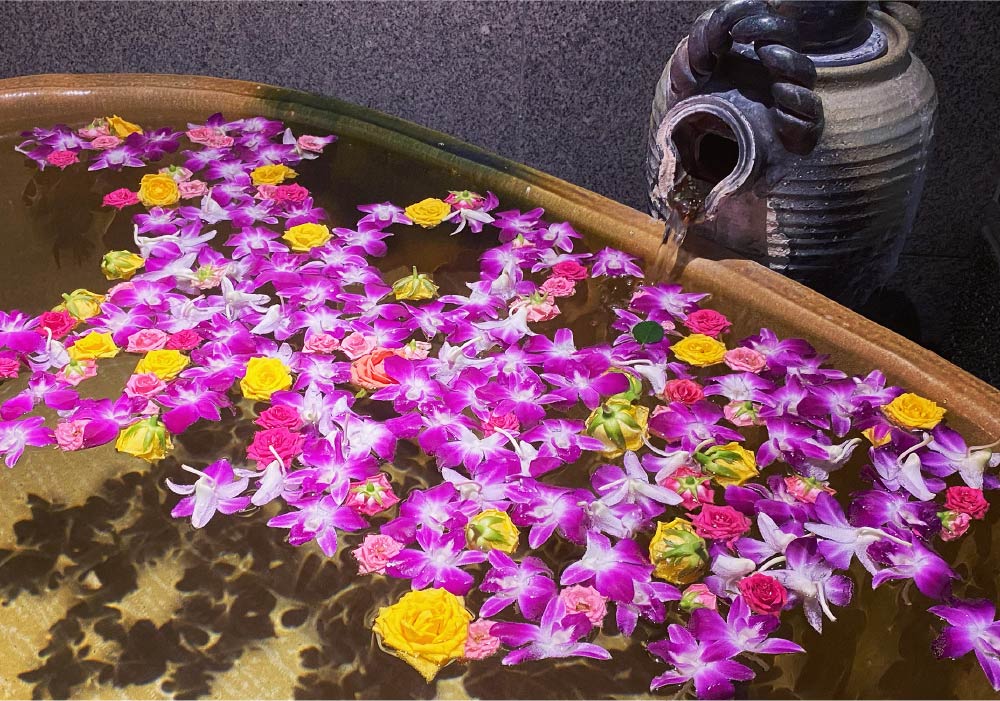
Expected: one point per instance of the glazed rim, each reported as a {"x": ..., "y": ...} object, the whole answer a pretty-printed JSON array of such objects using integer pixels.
[{"x": 737, "y": 285}]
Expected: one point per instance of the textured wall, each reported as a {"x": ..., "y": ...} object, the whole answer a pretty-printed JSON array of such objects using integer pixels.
[{"x": 563, "y": 86}]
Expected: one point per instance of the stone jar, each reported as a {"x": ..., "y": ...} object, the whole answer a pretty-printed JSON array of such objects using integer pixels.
[{"x": 835, "y": 213}]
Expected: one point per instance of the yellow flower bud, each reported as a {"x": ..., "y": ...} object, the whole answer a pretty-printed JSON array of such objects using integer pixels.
[
  {"x": 492, "y": 530},
  {"x": 82, "y": 304},
  {"x": 415, "y": 287},
  {"x": 677, "y": 552},
  {"x": 121, "y": 265},
  {"x": 730, "y": 464},
  {"x": 619, "y": 425},
  {"x": 122, "y": 128},
  {"x": 147, "y": 439}
]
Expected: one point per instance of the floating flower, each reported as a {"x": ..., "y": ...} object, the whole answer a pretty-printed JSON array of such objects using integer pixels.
[
  {"x": 426, "y": 629},
  {"x": 146, "y": 340},
  {"x": 121, "y": 127},
  {"x": 619, "y": 425},
  {"x": 492, "y": 530},
  {"x": 264, "y": 377},
  {"x": 120, "y": 198},
  {"x": 707, "y": 322},
  {"x": 585, "y": 600},
  {"x": 729, "y": 464},
  {"x": 62, "y": 159},
  {"x": 684, "y": 391},
  {"x": 954, "y": 524},
  {"x": 93, "y": 345},
  {"x": 57, "y": 323},
  {"x": 415, "y": 286},
  {"x": 82, "y": 304},
  {"x": 742, "y": 359},
  {"x": 429, "y": 212},
  {"x": 699, "y": 350},
  {"x": 368, "y": 371},
  {"x": 158, "y": 190},
  {"x": 271, "y": 174},
  {"x": 372, "y": 495},
  {"x": 913, "y": 411},
  {"x": 147, "y": 439},
  {"x": 723, "y": 523},
  {"x": 698, "y": 596},
  {"x": 764, "y": 595},
  {"x": 121, "y": 265},
  {"x": 677, "y": 552},
  {"x": 481, "y": 643},
  {"x": 305, "y": 237},
  {"x": 375, "y": 552},
  {"x": 165, "y": 364},
  {"x": 967, "y": 500}
]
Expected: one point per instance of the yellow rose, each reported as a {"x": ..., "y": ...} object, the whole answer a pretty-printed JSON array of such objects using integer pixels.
[
  {"x": 427, "y": 629},
  {"x": 428, "y": 213},
  {"x": 158, "y": 190},
  {"x": 264, "y": 377},
  {"x": 492, "y": 530},
  {"x": 121, "y": 265},
  {"x": 913, "y": 411},
  {"x": 415, "y": 286},
  {"x": 619, "y": 425},
  {"x": 271, "y": 175},
  {"x": 677, "y": 552},
  {"x": 121, "y": 128},
  {"x": 81, "y": 304},
  {"x": 730, "y": 464},
  {"x": 147, "y": 439},
  {"x": 303, "y": 237},
  {"x": 93, "y": 345},
  {"x": 699, "y": 350},
  {"x": 165, "y": 364}
]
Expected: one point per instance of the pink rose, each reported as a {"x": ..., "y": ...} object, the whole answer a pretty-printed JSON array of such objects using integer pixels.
[
  {"x": 708, "y": 322},
  {"x": 743, "y": 359},
  {"x": 558, "y": 287},
  {"x": 121, "y": 198},
  {"x": 218, "y": 140},
  {"x": 146, "y": 340},
  {"x": 684, "y": 391},
  {"x": 191, "y": 188},
  {"x": 368, "y": 371},
  {"x": 375, "y": 552},
  {"x": 720, "y": 523},
  {"x": 58, "y": 323},
  {"x": 571, "y": 270},
  {"x": 62, "y": 159},
  {"x": 187, "y": 339},
  {"x": 537, "y": 311},
  {"x": 586, "y": 600},
  {"x": 312, "y": 143},
  {"x": 414, "y": 350},
  {"x": 201, "y": 135},
  {"x": 77, "y": 372},
  {"x": 145, "y": 384},
  {"x": 178, "y": 173},
  {"x": 93, "y": 132},
  {"x": 320, "y": 343},
  {"x": 698, "y": 596},
  {"x": 294, "y": 193},
  {"x": 280, "y": 440},
  {"x": 266, "y": 191},
  {"x": 507, "y": 422},
  {"x": 805, "y": 489},
  {"x": 9, "y": 367},
  {"x": 280, "y": 416},
  {"x": 954, "y": 525},
  {"x": 480, "y": 644},
  {"x": 102, "y": 143},
  {"x": 741, "y": 413},
  {"x": 966, "y": 500},
  {"x": 69, "y": 434},
  {"x": 371, "y": 496},
  {"x": 357, "y": 345},
  {"x": 692, "y": 486},
  {"x": 764, "y": 595}
]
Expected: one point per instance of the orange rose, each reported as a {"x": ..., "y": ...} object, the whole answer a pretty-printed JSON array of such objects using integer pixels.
[{"x": 368, "y": 371}]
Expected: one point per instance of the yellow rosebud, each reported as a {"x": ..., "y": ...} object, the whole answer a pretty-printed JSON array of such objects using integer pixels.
[
  {"x": 165, "y": 364},
  {"x": 158, "y": 190},
  {"x": 677, "y": 552},
  {"x": 264, "y": 377},
  {"x": 121, "y": 265},
  {"x": 729, "y": 464},
  {"x": 122, "y": 128},
  {"x": 147, "y": 439},
  {"x": 271, "y": 175},
  {"x": 699, "y": 350},
  {"x": 304, "y": 237},
  {"x": 415, "y": 286},
  {"x": 619, "y": 425},
  {"x": 426, "y": 629},
  {"x": 913, "y": 411},
  {"x": 428, "y": 213},
  {"x": 93, "y": 345},
  {"x": 81, "y": 304},
  {"x": 492, "y": 530}
]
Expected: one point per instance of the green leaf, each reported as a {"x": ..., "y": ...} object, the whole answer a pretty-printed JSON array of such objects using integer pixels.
[{"x": 646, "y": 332}]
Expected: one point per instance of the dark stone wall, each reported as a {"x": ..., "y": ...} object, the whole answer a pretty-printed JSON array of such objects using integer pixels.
[{"x": 562, "y": 86}]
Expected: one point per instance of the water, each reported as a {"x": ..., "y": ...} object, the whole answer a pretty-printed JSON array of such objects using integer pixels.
[
  {"x": 104, "y": 595},
  {"x": 685, "y": 208}
]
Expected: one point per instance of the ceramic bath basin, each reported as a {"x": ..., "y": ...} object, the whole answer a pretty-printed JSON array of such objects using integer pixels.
[{"x": 104, "y": 595}]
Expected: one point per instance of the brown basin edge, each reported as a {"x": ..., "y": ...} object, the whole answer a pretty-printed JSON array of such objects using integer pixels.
[{"x": 857, "y": 344}]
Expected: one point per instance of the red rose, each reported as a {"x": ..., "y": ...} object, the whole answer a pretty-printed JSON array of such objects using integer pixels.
[
  {"x": 570, "y": 269},
  {"x": 290, "y": 193},
  {"x": 121, "y": 198},
  {"x": 966, "y": 500},
  {"x": 278, "y": 416},
  {"x": 285, "y": 443},
  {"x": 62, "y": 159},
  {"x": 684, "y": 391},
  {"x": 183, "y": 340},
  {"x": 708, "y": 322},
  {"x": 720, "y": 523},
  {"x": 764, "y": 595},
  {"x": 59, "y": 323}
]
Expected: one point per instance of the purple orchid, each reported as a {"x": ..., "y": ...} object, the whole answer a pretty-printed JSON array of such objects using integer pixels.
[
  {"x": 613, "y": 569},
  {"x": 971, "y": 628},
  {"x": 16, "y": 435},
  {"x": 318, "y": 518},
  {"x": 811, "y": 579},
  {"x": 708, "y": 664},
  {"x": 439, "y": 562},
  {"x": 746, "y": 632},
  {"x": 556, "y": 636},
  {"x": 216, "y": 489},
  {"x": 528, "y": 582}
]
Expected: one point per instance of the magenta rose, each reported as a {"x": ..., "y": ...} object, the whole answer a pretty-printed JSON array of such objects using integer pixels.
[
  {"x": 571, "y": 270},
  {"x": 146, "y": 340},
  {"x": 745, "y": 359},
  {"x": 294, "y": 193},
  {"x": 279, "y": 440},
  {"x": 708, "y": 322},
  {"x": 684, "y": 391},
  {"x": 764, "y": 595},
  {"x": 278, "y": 416},
  {"x": 62, "y": 159},
  {"x": 507, "y": 422},
  {"x": 720, "y": 523},
  {"x": 9, "y": 367},
  {"x": 58, "y": 323},
  {"x": 558, "y": 286},
  {"x": 121, "y": 198},
  {"x": 966, "y": 500},
  {"x": 183, "y": 340}
]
